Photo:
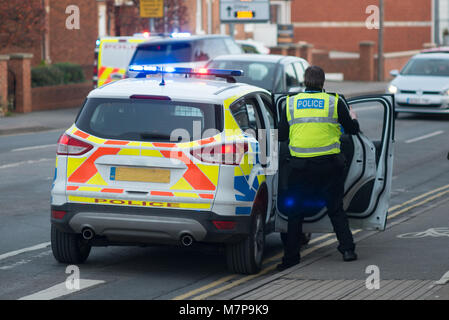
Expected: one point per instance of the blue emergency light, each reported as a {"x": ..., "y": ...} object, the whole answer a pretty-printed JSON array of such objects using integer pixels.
[
  {"x": 152, "y": 69},
  {"x": 144, "y": 70}
]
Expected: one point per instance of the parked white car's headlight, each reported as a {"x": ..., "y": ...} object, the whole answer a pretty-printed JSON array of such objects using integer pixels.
[
  {"x": 445, "y": 92},
  {"x": 392, "y": 89}
]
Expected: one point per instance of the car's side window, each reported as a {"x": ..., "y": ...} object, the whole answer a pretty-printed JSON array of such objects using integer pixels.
[
  {"x": 291, "y": 78},
  {"x": 267, "y": 108},
  {"x": 299, "y": 71},
  {"x": 240, "y": 113},
  {"x": 247, "y": 115}
]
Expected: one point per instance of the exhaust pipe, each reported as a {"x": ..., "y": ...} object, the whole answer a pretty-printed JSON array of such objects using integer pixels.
[
  {"x": 186, "y": 240},
  {"x": 88, "y": 234}
]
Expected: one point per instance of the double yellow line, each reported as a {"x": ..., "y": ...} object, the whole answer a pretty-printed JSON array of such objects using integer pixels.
[{"x": 220, "y": 285}]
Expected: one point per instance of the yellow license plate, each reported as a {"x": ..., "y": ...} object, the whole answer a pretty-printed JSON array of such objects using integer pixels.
[{"x": 140, "y": 174}]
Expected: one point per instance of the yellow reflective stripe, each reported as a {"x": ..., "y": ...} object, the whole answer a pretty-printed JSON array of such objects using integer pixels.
[
  {"x": 151, "y": 153},
  {"x": 182, "y": 184},
  {"x": 97, "y": 180},
  {"x": 186, "y": 194},
  {"x": 139, "y": 203},
  {"x": 92, "y": 189},
  {"x": 73, "y": 164},
  {"x": 315, "y": 150}
]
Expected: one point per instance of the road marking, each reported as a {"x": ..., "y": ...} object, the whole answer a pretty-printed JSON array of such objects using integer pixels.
[
  {"x": 433, "y": 134},
  {"x": 418, "y": 198},
  {"x": 34, "y": 147},
  {"x": 266, "y": 270},
  {"x": 307, "y": 251},
  {"x": 61, "y": 290},
  {"x": 444, "y": 279},
  {"x": 432, "y": 232},
  {"x": 438, "y": 195},
  {"x": 230, "y": 277},
  {"x": 17, "y": 164},
  {"x": 33, "y": 248}
]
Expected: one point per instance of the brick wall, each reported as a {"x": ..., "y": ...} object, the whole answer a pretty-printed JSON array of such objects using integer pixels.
[
  {"x": 60, "y": 97},
  {"x": 76, "y": 46},
  {"x": 347, "y": 38}
]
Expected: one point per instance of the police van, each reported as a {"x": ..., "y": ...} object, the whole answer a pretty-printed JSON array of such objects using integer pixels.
[
  {"x": 112, "y": 56},
  {"x": 178, "y": 160}
]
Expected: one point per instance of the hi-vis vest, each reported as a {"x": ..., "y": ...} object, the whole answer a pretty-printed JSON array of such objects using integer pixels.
[{"x": 314, "y": 127}]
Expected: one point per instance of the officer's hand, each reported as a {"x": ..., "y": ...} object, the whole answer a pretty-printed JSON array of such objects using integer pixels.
[{"x": 352, "y": 113}]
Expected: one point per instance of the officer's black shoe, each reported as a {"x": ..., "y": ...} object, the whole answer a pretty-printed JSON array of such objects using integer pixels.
[
  {"x": 285, "y": 265},
  {"x": 349, "y": 255}
]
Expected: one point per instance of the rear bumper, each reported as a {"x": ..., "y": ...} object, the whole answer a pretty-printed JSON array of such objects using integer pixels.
[{"x": 118, "y": 224}]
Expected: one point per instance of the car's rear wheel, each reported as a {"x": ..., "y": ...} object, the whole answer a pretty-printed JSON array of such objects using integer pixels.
[
  {"x": 69, "y": 247},
  {"x": 246, "y": 256}
]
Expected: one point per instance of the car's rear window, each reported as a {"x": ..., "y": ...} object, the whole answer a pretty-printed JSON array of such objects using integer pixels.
[
  {"x": 163, "y": 53},
  {"x": 260, "y": 74},
  {"x": 149, "y": 120}
]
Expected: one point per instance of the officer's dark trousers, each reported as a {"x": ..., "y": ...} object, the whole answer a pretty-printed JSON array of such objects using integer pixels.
[{"x": 323, "y": 176}]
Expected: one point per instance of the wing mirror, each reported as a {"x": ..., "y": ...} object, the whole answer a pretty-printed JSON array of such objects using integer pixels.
[{"x": 394, "y": 73}]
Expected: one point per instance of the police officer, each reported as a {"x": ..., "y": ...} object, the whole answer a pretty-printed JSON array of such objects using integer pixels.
[{"x": 312, "y": 123}]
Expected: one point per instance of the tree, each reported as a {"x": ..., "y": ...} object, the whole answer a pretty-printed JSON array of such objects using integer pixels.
[
  {"x": 21, "y": 22},
  {"x": 128, "y": 20}
]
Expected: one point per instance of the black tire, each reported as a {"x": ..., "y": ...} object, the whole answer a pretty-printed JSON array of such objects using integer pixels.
[
  {"x": 305, "y": 238},
  {"x": 69, "y": 247},
  {"x": 246, "y": 256}
]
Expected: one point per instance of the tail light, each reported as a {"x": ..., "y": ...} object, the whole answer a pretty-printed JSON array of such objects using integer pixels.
[
  {"x": 224, "y": 225},
  {"x": 230, "y": 154},
  {"x": 69, "y": 146},
  {"x": 58, "y": 214}
]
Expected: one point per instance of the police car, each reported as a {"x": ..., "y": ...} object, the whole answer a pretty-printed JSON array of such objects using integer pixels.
[{"x": 177, "y": 160}]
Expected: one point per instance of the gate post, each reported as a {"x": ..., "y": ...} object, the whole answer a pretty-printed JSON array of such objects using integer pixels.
[
  {"x": 3, "y": 82},
  {"x": 20, "y": 65}
]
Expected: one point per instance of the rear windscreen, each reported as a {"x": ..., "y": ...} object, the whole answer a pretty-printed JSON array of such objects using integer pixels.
[
  {"x": 173, "y": 52},
  {"x": 149, "y": 120}
]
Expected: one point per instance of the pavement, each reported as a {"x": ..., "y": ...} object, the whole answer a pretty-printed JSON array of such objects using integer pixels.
[
  {"x": 323, "y": 276},
  {"x": 62, "y": 119}
]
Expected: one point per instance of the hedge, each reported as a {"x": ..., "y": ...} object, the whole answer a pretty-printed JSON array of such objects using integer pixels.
[{"x": 56, "y": 74}]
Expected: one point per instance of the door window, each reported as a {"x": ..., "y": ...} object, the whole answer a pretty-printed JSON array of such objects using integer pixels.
[
  {"x": 299, "y": 71},
  {"x": 290, "y": 76}
]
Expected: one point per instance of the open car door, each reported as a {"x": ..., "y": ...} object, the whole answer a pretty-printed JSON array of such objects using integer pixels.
[{"x": 368, "y": 174}]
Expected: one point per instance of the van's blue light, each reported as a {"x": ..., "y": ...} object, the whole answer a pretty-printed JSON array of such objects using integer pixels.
[
  {"x": 97, "y": 43},
  {"x": 180, "y": 34}
]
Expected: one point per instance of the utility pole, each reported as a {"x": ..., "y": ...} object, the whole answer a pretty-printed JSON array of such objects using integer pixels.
[
  {"x": 380, "y": 44},
  {"x": 436, "y": 18}
]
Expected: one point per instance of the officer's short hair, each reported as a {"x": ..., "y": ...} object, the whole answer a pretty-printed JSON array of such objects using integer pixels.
[{"x": 314, "y": 77}]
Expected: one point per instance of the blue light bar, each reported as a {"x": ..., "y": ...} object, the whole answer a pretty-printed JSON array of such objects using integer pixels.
[
  {"x": 180, "y": 34},
  {"x": 151, "y": 69}
]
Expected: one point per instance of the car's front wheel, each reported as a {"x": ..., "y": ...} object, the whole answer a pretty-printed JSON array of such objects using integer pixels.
[
  {"x": 246, "y": 256},
  {"x": 69, "y": 247}
]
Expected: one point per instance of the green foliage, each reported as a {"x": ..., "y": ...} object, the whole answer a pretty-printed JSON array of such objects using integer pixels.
[{"x": 56, "y": 74}]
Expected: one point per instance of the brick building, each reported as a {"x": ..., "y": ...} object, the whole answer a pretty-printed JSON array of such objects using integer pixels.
[{"x": 340, "y": 25}]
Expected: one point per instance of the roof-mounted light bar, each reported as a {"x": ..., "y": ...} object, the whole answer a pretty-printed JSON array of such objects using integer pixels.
[{"x": 152, "y": 69}]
